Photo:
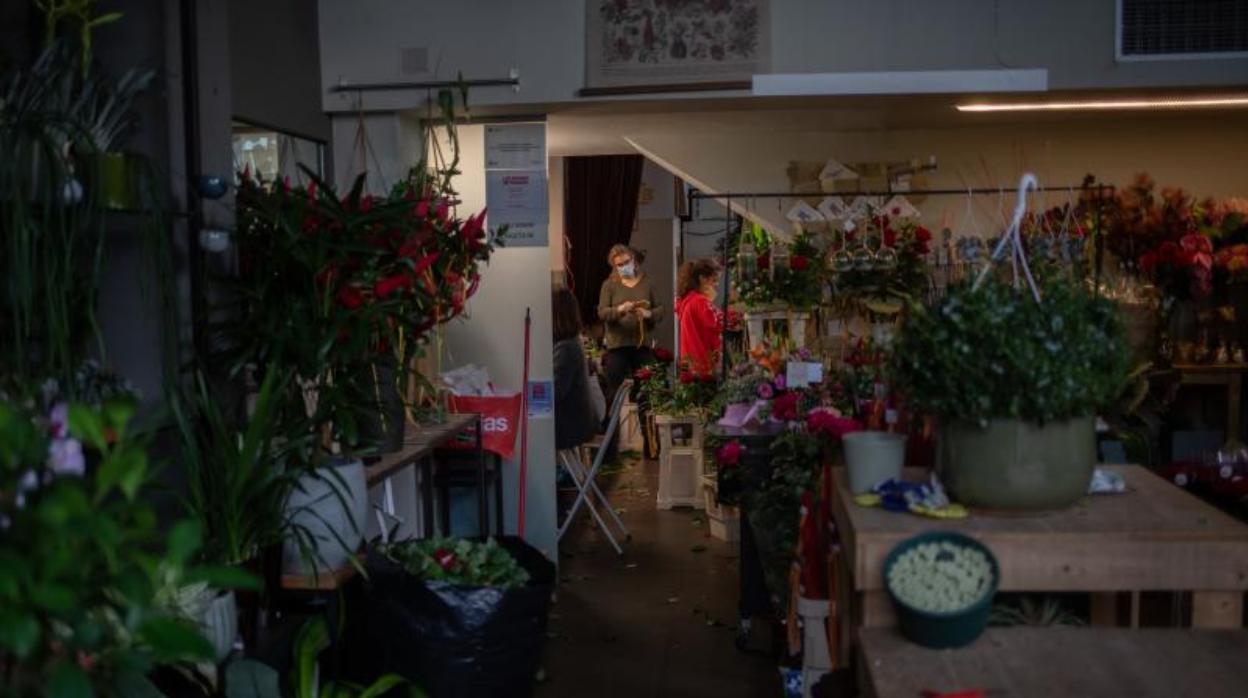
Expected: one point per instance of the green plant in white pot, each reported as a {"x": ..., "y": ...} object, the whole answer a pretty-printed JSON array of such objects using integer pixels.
[{"x": 1016, "y": 376}]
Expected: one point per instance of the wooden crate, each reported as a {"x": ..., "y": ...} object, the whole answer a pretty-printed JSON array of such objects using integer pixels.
[
  {"x": 724, "y": 521},
  {"x": 680, "y": 461}
]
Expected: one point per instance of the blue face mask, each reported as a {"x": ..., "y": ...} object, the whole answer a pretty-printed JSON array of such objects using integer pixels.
[{"x": 628, "y": 271}]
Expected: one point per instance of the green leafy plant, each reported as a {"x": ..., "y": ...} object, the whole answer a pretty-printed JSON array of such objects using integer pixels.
[
  {"x": 83, "y": 13},
  {"x": 458, "y": 561},
  {"x": 794, "y": 278},
  {"x": 997, "y": 353},
  {"x": 236, "y": 488},
  {"x": 247, "y": 678},
  {"x": 83, "y": 558},
  {"x": 1033, "y": 611}
]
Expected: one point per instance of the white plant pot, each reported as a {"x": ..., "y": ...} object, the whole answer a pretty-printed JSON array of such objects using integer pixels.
[
  {"x": 219, "y": 622},
  {"x": 330, "y": 504},
  {"x": 872, "y": 457}
]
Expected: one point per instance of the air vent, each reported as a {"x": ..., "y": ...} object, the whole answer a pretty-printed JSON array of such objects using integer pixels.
[
  {"x": 1182, "y": 28},
  {"x": 414, "y": 61}
]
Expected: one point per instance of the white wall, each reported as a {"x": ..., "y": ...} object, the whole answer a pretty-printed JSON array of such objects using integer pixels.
[
  {"x": 361, "y": 41},
  {"x": 492, "y": 335}
]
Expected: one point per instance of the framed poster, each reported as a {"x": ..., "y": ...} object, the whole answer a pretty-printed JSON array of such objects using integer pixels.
[{"x": 664, "y": 42}]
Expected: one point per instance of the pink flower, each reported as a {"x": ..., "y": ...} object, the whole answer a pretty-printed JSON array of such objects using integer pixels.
[
  {"x": 445, "y": 559},
  {"x": 780, "y": 382},
  {"x": 830, "y": 423},
  {"x": 765, "y": 391},
  {"x": 59, "y": 417}
]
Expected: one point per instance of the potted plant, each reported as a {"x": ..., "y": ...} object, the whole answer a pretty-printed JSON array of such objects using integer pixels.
[
  {"x": 237, "y": 489},
  {"x": 85, "y": 561},
  {"x": 1016, "y": 383},
  {"x": 457, "y": 616},
  {"x": 942, "y": 584}
]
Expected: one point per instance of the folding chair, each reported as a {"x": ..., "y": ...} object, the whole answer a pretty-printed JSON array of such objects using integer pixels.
[{"x": 584, "y": 478}]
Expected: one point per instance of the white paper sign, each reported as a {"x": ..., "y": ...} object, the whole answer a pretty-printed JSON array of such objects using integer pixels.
[
  {"x": 801, "y": 374},
  {"x": 518, "y": 200},
  {"x": 515, "y": 147}
]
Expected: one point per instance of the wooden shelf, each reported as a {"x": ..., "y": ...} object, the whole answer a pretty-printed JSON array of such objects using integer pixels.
[
  {"x": 329, "y": 580},
  {"x": 418, "y": 443}
]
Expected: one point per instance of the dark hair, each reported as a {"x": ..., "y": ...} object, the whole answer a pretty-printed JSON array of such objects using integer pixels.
[
  {"x": 565, "y": 314},
  {"x": 693, "y": 273}
]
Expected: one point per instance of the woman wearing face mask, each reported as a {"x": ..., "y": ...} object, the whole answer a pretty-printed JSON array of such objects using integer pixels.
[
  {"x": 701, "y": 323},
  {"x": 629, "y": 310}
]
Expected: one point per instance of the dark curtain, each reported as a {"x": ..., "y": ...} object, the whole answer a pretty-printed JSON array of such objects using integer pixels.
[{"x": 600, "y": 203}]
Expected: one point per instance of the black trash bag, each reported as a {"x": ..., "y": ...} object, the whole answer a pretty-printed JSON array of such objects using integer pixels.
[{"x": 458, "y": 641}]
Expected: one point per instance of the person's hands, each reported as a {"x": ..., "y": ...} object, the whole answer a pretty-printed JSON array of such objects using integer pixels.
[
  {"x": 626, "y": 307},
  {"x": 644, "y": 313}
]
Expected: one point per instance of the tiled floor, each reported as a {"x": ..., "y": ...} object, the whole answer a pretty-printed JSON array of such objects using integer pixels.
[{"x": 657, "y": 621}]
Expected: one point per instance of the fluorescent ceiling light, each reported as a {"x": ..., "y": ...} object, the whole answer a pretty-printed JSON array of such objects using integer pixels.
[
  {"x": 901, "y": 82},
  {"x": 1111, "y": 104}
]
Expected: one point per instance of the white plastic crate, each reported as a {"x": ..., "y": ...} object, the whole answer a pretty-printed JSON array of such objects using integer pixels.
[
  {"x": 630, "y": 428},
  {"x": 680, "y": 461}
]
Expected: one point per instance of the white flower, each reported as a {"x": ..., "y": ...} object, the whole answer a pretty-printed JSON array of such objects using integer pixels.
[
  {"x": 65, "y": 458},
  {"x": 28, "y": 483}
]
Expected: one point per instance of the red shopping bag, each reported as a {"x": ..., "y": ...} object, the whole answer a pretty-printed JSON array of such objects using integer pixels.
[{"x": 500, "y": 422}]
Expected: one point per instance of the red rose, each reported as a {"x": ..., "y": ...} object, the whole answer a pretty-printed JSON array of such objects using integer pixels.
[
  {"x": 422, "y": 209},
  {"x": 687, "y": 377},
  {"x": 390, "y": 284},
  {"x": 445, "y": 559},
  {"x": 826, "y": 423},
  {"x": 798, "y": 263},
  {"x": 729, "y": 455},
  {"x": 922, "y": 234},
  {"x": 663, "y": 355},
  {"x": 784, "y": 407},
  {"x": 643, "y": 374},
  {"x": 350, "y": 297}
]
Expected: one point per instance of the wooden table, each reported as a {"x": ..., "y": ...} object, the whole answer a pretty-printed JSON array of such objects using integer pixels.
[
  {"x": 1155, "y": 537},
  {"x": 1048, "y": 662},
  {"x": 419, "y": 443},
  {"x": 1230, "y": 377}
]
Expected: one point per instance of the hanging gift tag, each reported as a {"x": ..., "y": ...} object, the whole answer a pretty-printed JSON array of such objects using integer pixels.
[
  {"x": 900, "y": 207},
  {"x": 803, "y": 212},
  {"x": 861, "y": 207},
  {"x": 834, "y": 170},
  {"x": 833, "y": 208}
]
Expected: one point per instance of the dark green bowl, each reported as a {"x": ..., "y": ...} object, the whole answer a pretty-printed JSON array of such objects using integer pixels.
[{"x": 941, "y": 630}]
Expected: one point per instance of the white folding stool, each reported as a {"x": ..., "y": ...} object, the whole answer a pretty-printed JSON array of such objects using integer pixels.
[{"x": 571, "y": 461}]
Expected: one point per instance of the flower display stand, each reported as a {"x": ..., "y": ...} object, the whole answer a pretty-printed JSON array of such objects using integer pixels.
[
  {"x": 630, "y": 428},
  {"x": 724, "y": 520},
  {"x": 756, "y": 325},
  {"x": 680, "y": 461},
  {"x": 816, "y": 657}
]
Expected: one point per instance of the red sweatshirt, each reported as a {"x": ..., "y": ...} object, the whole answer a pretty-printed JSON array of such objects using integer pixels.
[{"x": 700, "y": 326}]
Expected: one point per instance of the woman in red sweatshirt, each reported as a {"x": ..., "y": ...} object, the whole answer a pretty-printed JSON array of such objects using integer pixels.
[{"x": 701, "y": 323}]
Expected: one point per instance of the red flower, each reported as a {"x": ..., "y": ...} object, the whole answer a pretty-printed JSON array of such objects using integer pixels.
[
  {"x": 445, "y": 559},
  {"x": 424, "y": 263},
  {"x": 474, "y": 231},
  {"x": 890, "y": 237},
  {"x": 687, "y": 377},
  {"x": 350, "y": 297},
  {"x": 663, "y": 355},
  {"x": 422, "y": 209},
  {"x": 798, "y": 263},
  {"x": 764, "y": 261},
  {"x": 390, "y": 284},
  {"x": 643, "y": 374},
  {"x": 784, "y": 407},
  {"x": 922, "y": 234},
  {"x": 827, "y": 423},
  {"x": 729, "y": 455},
  {"x": 443, "y": 210}
]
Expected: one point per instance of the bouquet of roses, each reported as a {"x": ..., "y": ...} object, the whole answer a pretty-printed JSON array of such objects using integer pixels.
[
  {"x": 1233, "y": 262},
  {"x": 787, "y": 274}
]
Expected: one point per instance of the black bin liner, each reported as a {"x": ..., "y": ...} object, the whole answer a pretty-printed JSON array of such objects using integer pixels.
[{"x": 458, "y": 641}]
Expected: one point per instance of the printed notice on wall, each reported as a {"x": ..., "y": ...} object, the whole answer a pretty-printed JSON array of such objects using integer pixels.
[
  {"x": 515, "y": 147},
  {"x": 517, "y": 199},
  {"x": 541, "y": 398}
]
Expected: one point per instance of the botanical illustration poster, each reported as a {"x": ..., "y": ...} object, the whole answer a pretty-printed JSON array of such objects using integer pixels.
[{"x": 648, "y": 42}]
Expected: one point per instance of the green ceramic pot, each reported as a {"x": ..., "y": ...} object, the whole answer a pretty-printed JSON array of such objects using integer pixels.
[
  {"x": 117, "y": 189},
  {"x": 1019, "y": 466}
]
